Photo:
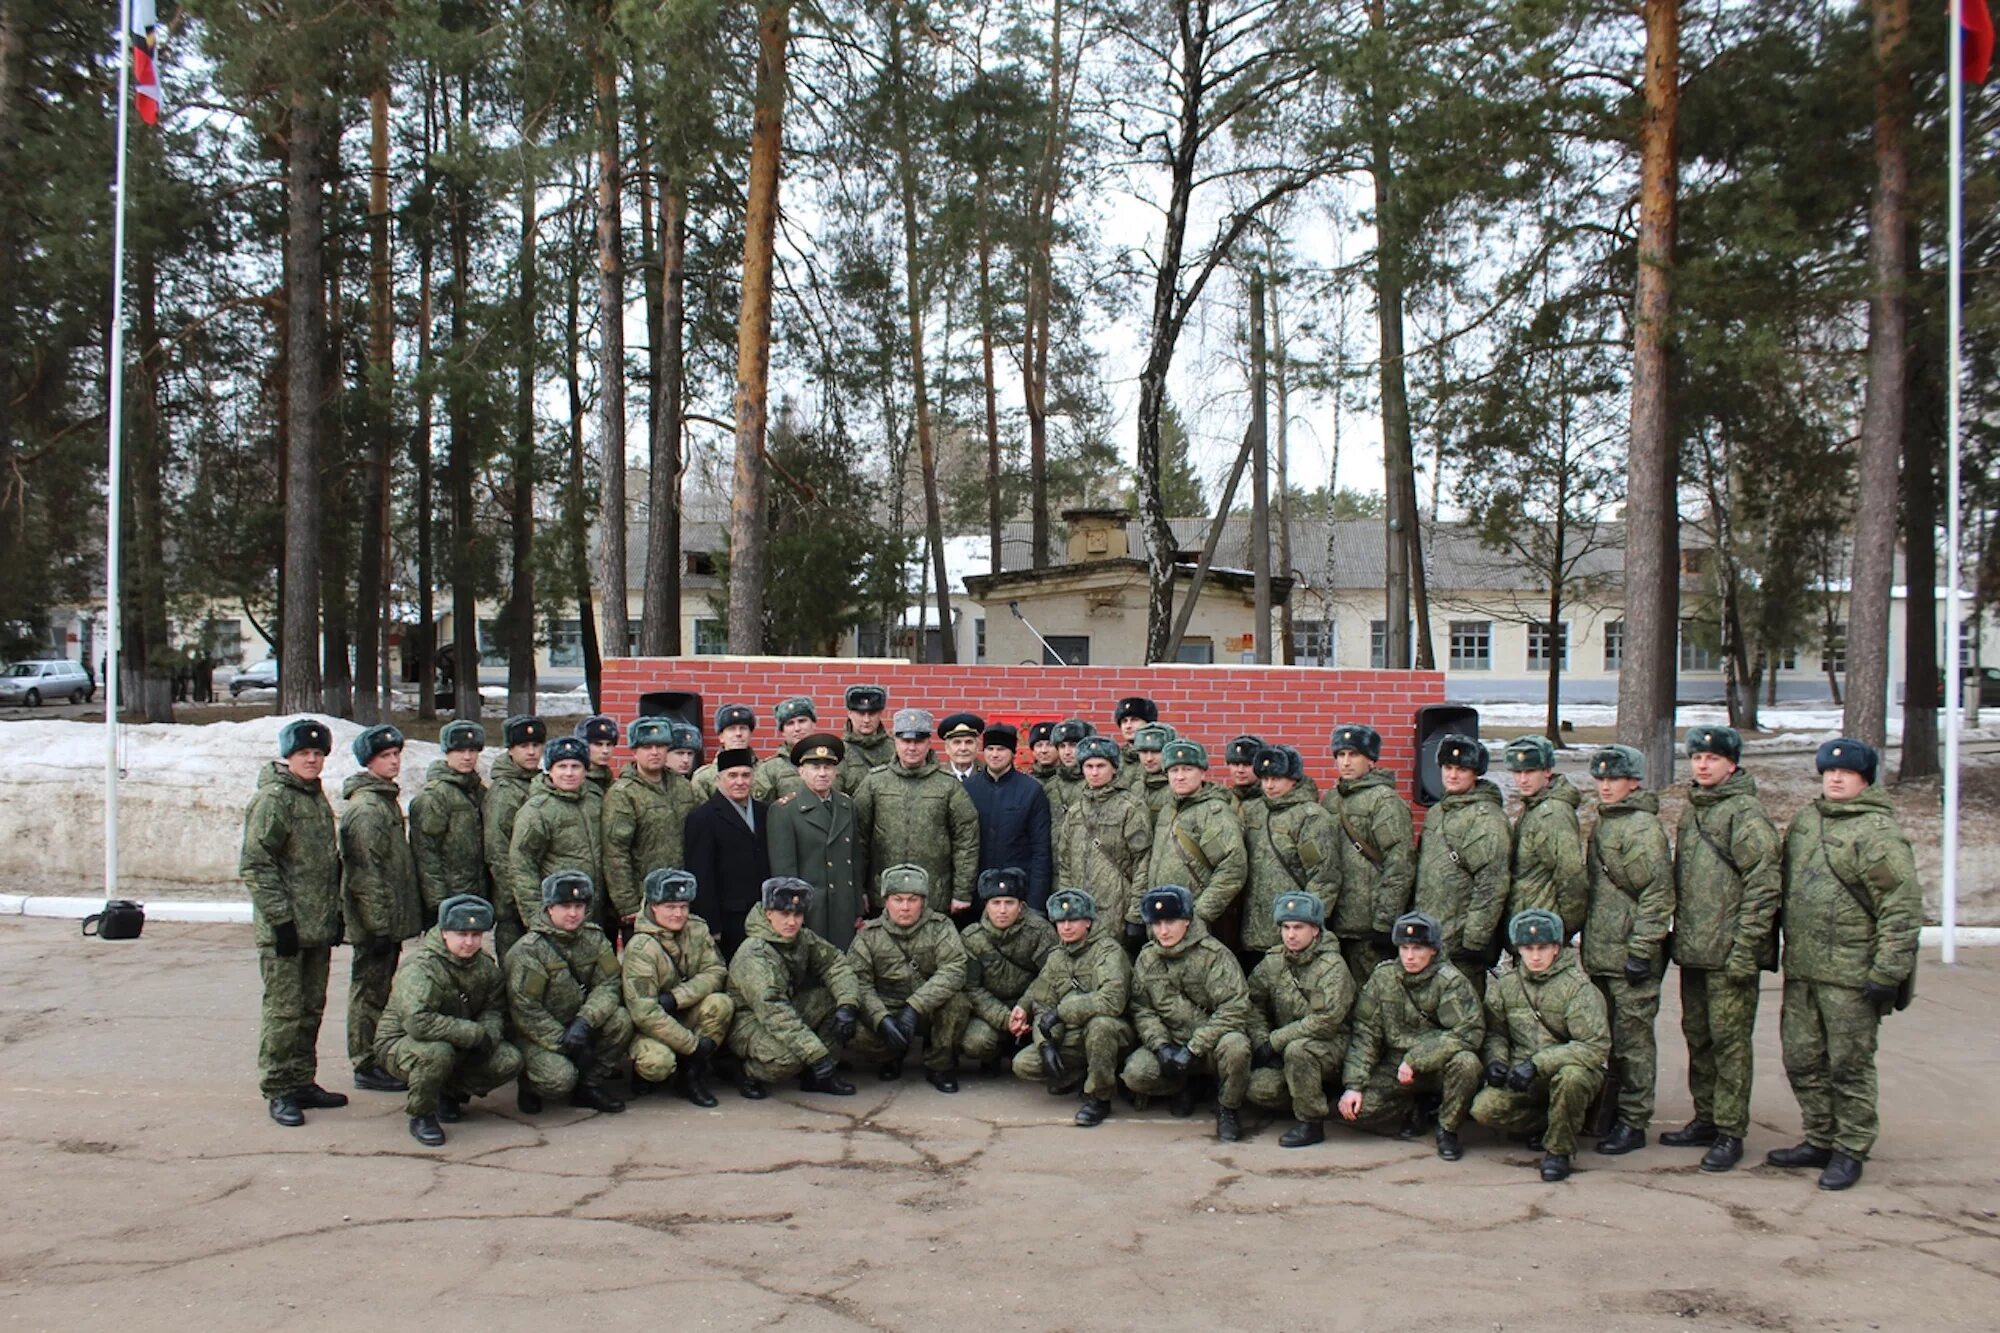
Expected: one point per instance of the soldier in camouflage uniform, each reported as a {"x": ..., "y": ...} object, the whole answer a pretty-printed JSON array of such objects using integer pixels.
[
  {"x": 447, "y": 820},
  {"x": 1726, "y": 891},
  {"x": 1240, "y": 777},
  {"x": 1377, "y": 850},
  {"x": 1042, "y": 745},
  {"x": 380, "y": 899},
  {"x": 557, "y": 829},
  {"x": 1417, "y": 1029},
  {"x": 778, "y": 775},
  {"x": 1151, "y": 782},
  {"x": 644, "y": 813},
  {"x": 1631, "y": 873},
  {"x": 1130, "y": 716},
  {"x": 1546, "y": 1040},
  {"x": 1291, "y": 846},
  {"x": 291, "y": 866},
  {"x": 1197, "y": 838},
  {"x": 673, "y": 981},
  {"x": 1004, "y": 952},
  {"x": 1073, "y": 1016},
  {"x": 915, "y": 813},
  {"x": 1300, "y": 999},
  {"x": 910, "y": 965},
  {"x": 445, "y": 1029},
  {"x": 1852, "y": 911},
  {"x": 735, "y": 724},
  {"x": 683, "y": 746},
  {"x": 512, "y": 777},
  {"x": 1191, "y": 1007},
  {"x": 1462, "y": 862},
  {"x": 1548, "y": 841},
  {"x": 1066, "y": 783},
  {"x": 869, "y": 745},
  {"x": 797, "y": 1001},
  {"x": 599, "y": 732},
  {"x": 1104, "y": 842},
  {"x": 563, "y": 993},
  {"x": 811, "y": 834}
]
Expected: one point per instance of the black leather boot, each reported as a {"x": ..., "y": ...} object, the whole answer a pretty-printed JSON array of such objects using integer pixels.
[
  {"x": 424, "y": 1129},
  {"x": 1555, "y": 1166},
  {"x": 593, "y": 1098},
  {"x": 285, "y": 1110},
  {"x": 694, "y": 1083},
  {"x": 315, "y": 1098},
  {"x": 1724, "y": 1153},
  {"x": 1448, "y": 1145},
  {"x": 527, "y": 1098},
  {"x": 1842, "y": 1172},
  {"x": 751, "y": 1090},
  {"x": 1799, "y": 1154},
  {"x": 1695, "y": 1133},
  {"x": 944, "y": 1080},
  {"x": 1227, "y": 1128},
  {"x": 1302, "y": 1135},
  {"x": 374, "y": 1078},
  {"x": 1092, "y": 1112},
  {"x": 1622, "y": 1139},
  {"x": 450, "y": 1110}
]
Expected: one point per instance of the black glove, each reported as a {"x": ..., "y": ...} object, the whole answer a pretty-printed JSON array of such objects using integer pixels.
[
  {"x": 824, "y": 1069},
  {"x": 1637, "y": 971},
  {"x": 339, "y": 931},
  {"x": 575, "y": 1043},
  {"x": 911, "y": 1022},
  {"x": 844, "y": 1020},
  {"x": 285, "y": 940},
  {"x": 1263, "y": 1056},
  {"x": 1882, "y": 996},
  {"x": 1522, "y": 1076},
  {"x": 892, "y": 1036},
  {"x": 1175, "y": 1057},
  {"x": 1496, "y": 1074},
  {"x": 1045, "y": 1023},
  {"x": 1135, "y": 930},
  {"x": 669, "y": 1004},
  {"x": 1052, "y": 1061},
  {"x": 704, "y": 1047}
]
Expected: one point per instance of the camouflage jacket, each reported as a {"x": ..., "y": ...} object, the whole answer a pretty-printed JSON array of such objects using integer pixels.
[
  {"x": 1198, "y": 843},
  {"x": 1305, "y": 995},
  {"x": 924, "y": 817},
  {"x": 643, "y": 820},
  {"x": 775, "y": 777},
  {"x": 378, "y": 883},
  {"x": 1556, "y": 1018},
  {"x": 291, "y": 859},
  {"x": 1089, "y": 979},
  {"x": 1829, "y": 937},
  {"x": 508, "y": 791},
  {"x": 1548, "y": 855},
  {"x": 1378, "y": 864},
  {"x": 448, "y": 837},
  {"x": 1728, "y": 866},
  {"x": 923, "y": 965},
  {"x": 1421, "y": 1020},
  {"x": 1291, "y": 843},
  {"x": 864, "y": 755},
  {"x": 769, "y": 972},
  {"x": 1104, "y": 845},
  {"x": 1631, "y": 887},
  {"x": 1063, "y": 786},
  {"x": 1153, "y": 789},
  {"x": 1000, "y": 965},
  {"x": 556, "y": 830},
  {"x": 555, "y": 976},
  {"x": 438, "y": 996},
  {"x": 1462, "y": 870},
  {"x": 656, "y": 961},
  {"x": 1193, "y": 994}
]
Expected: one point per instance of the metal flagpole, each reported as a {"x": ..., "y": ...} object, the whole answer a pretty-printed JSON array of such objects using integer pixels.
[
  {"x": 114, "y": 489},
  {"x": 1954, "y": 683}
]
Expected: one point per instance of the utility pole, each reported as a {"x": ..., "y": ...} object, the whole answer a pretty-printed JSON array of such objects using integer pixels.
[{"x": 1260, "y": 480}]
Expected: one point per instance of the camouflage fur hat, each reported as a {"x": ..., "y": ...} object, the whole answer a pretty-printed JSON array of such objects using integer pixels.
[
  {"x": 1461, "y": 752},
  {"x": 865, "y": 698},
  {"x": 304, "y": 733},
  {"x": 1725, "y": 741},
  {"x": 1071, "y": 731},
  {"x": 1846, "y": 752},
  {"x": 461, "y": 734},
  {"x": 1072, "y": 905},
  {"x": 597, "y": 729},
  {"x": 1618, "y": 761},
  {"x": 1097, "y": 747},
  {"x": 795, "y": 707},
  {"x": 465, "y": 911},
  {"x": 650, "y": 731},
  {"x": 567, "y": 886},
  {"x": 1304, "y": 907},
  {"x": 786, "y": 893},
  {"x": 1359, "y": 738},
  {"x": 684, "y": 736},
  {"x": 523, "y": 729},
  {"x": 1279, "y": 761},
  {"x": 1168, "y": 902},
  {"x": 1530, "y": 754},
  {"x": 1153, "y": 736},
  {"x": 1180, "y": 750},
  {"x": 1537, "y": 925},
  {"x": 1003, "y": 882},
  {"x": 905, "y": 879},
  {"x": 565, "y": 747},
  {"x": 668, "y": 885},
  {"x": 374, "y": 741},
  {"x": 735, "y": 715},
  {"x": 1136, "y": 705},
  {"x": 1417, "y": 928},
  {"x": 1242, "y": 749}
]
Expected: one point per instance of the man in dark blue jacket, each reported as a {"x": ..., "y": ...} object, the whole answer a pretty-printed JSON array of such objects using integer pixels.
[{"x": 1013, "y": 816}]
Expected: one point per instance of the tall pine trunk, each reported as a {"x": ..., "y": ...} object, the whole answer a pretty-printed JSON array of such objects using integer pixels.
[
  {"x": 521, "y": 466},
  {"x": 371, "y": 700},
  {"x": 575, "y": 521},
  {"x": 298, "y": 677},
  {"x": 458, "y": 424},
  {"x": 991, "y": 389},
  {"x": 424, "y": 632},
  {"x": 660, "y": 622},
  {"x": 1921, "y": 663},
  {"x": 611, "y": 576},
  {"x": 147, "y": 642}
]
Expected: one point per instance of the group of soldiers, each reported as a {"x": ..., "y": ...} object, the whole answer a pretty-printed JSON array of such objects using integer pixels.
[{"x": 1109, "y": 920}]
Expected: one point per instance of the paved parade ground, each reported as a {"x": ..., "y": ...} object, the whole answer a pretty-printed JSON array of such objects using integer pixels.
[{"x": 146, "y": 1188}]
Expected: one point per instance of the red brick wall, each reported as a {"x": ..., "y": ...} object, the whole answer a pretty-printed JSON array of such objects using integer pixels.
[{"x": 1297, "y": 706}]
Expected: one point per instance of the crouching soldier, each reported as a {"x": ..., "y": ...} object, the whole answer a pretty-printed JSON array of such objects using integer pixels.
[
  {"x": 796, "y": 997},
  {"x": 1300, "y": 997},
  {"x": 910, "y": 966},
  {"x": 1417, "y": 1028},
  {"x": 1004, "y": 953},
  {"x": 1073, "y": 1016},
  {"x": 674, "y": 980},
  {"x": 1192, "y": 1010},
  {"x": 444, "y": 1031},
  {"x": 563, "y": 992},
  {"x": 1546, "y": 1042}
]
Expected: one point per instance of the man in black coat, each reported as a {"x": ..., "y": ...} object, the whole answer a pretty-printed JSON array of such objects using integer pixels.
[
  {"x": 1013, "y": 817},
  {"x": 725, "y": 850}
]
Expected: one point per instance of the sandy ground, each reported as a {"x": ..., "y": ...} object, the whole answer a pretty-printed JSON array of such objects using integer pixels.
[{"x": 145, "y": 1187}]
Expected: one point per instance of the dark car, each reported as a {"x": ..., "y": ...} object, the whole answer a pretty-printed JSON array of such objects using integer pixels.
[{"x": 1989, "y": 684}]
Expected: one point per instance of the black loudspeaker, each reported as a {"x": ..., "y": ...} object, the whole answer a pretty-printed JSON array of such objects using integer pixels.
[
  {"x": 1432, "y": 722},
  {"x": 680, "y": 705}
]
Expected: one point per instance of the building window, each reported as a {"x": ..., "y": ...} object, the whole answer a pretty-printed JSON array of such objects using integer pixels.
[
  {"x": 1197, "y": 652},
  {"x": 1312, "y": 642},
  {"x": 565, "y": 643},
  {"x": 1789, "y": 661},
  {"x": 1833, "y": 651},
  {"x": 1378, "y": 646},
  {"x": 979, "y": 638},
  {"x": 1538, "y": 646},
  {"x": 1693, "y": 562},
  {"x": 492, "y": 643},
  {"x": 1614, "y": 645},
  {"x": 1965, "y": 644},
  {"x": 1074, "y": 650},
  {"x": 698, "y": 563},
  {"x": 1471, "y": 645},
  {"x": 1696, "y": 655},
  {"x": 225, "y": 640},
  {"x": 709, "y": 638}
]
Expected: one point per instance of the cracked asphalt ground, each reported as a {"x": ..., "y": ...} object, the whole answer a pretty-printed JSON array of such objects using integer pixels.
[{"x": 143, "y": 1185}]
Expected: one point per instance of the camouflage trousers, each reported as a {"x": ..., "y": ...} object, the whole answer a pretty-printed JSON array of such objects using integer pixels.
[
  {"x": 1635, "y": 1055},
  {"x": 943, "y": 1032},
  {"x": 552, "y": 1074},
  {"x": 1719, "y": 1019},
  {"x": 1096, "y": 1050},
  {"x": 766, "y": 1056},
  {"x": 1307, "y": 1068},
  {"x": 1555, "y": 1104},
  {"x": 1363, "y": 953},
  {"x": 438, "y": 1069},
  {"x": 288, "y": 1028},
  {"x": 369, "y": 974},
  {"x": 981, "y": 1042},
  {"x": 1386, "y": 1103},
  {"x": 1828, "y": 1034},
  {"x": 507, "y": 927},
  {"x": 1229, "y": 1063},
  {"x": 655, "y": 1061}
]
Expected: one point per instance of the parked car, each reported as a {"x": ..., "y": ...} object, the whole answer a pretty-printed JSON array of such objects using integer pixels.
[
  {"x": 263, "y": 676},
  {"x": 1989, "y": 684},
  {"x": 31, "y": 682}
]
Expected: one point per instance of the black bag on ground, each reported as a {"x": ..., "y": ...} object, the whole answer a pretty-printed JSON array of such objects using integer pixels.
[{"x": 121, "y": 919}]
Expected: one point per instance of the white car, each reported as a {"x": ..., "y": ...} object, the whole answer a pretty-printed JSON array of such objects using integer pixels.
[
  {"x": 263, "y": 676},
  {"x": 32, "y": 682}
]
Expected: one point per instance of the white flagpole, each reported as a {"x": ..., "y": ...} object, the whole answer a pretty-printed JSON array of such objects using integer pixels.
[
  {"x": 1954, "y": 684},
  {"x": 114, "y": 489}
]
